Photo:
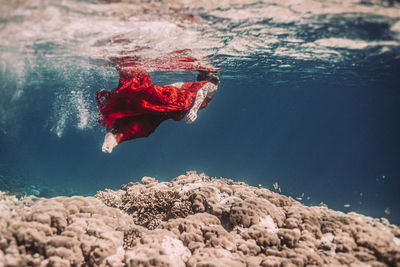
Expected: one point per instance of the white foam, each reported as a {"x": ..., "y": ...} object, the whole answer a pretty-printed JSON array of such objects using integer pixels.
[
  {"x": 108, "y": 30},
  {"x": 60, "y": 112},
  {"x": 77, "y": 99},
  {"x": 12, "y": 78},
  {"x": 353, "y": 44},
  {"x": 17, "y": 94},
  {"x": 72, "y": 108},
  {"x": 396, "y": 29}
]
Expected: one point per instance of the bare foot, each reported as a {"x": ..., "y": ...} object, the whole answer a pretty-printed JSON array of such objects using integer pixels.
[
  {"x": 191, "y": 117},
  {"x": 110, "y": 141}
]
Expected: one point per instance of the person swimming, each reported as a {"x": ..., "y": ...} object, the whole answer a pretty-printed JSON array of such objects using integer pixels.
[{"x": 137, "y": 107}]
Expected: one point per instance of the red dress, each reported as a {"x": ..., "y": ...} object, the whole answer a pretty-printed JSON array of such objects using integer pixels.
[{"x": 137, "y": 107}]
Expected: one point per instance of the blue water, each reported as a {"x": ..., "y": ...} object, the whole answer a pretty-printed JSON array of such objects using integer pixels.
[{"x": 325, "y": 130}]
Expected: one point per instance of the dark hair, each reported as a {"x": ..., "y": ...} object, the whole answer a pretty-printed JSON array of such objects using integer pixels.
[{"x": 211, "y": 76}]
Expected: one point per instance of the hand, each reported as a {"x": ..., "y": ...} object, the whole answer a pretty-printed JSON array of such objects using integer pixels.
[{"x": 191, "y": 117}]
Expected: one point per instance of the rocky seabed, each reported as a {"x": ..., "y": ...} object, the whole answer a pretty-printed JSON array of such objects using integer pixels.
[{"x": 193, "y": 221}]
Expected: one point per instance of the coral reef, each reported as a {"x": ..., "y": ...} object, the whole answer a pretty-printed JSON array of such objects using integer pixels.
[
  {"x": 61, "y": 231},
  {"x": 193, "y": 220}
]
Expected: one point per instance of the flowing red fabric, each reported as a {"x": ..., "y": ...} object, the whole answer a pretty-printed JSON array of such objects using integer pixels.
[{"x": 137, "y": 107}]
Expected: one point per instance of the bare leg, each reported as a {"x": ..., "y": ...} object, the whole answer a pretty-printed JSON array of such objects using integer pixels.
[{"x": 110, "y": 142}]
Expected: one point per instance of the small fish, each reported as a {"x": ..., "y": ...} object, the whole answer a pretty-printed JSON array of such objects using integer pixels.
[
  {"x": 3, "y": 130},
  {"x": 276, "y": 186},
  {"x": 346, "y": 205},
  {"x": 387, "y": 211}
]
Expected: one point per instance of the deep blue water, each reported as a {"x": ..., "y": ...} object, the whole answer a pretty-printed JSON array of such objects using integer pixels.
[
  {"x": 333, "y": 137},
  {"x": 327, "y": 131}
]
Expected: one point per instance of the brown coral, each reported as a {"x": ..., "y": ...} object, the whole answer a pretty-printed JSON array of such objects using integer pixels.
[
  {"x": 148, "y": 207},
  {"x": 62, "y": 232},
  {"x": 193, "y": 220}
]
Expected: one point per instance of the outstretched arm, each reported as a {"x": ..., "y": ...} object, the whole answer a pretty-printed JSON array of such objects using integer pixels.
[{"x": 207, "y": 91}]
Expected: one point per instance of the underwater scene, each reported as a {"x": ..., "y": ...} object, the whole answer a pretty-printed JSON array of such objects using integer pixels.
[
  {"x": 307, "y": 104},
  {"x": 199, "y": 133}
]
